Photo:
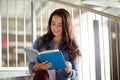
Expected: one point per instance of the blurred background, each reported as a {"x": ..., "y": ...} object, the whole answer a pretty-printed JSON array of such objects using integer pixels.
[{"x": 96, "y": 25}]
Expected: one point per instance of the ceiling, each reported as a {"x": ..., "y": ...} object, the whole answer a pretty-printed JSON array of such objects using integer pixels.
[
  {"x": 108, "y": 6},
  {"x": 111, "y": 7}
]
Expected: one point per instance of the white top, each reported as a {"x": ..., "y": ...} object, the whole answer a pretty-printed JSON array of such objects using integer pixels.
[{"x": 52, "y": 74}]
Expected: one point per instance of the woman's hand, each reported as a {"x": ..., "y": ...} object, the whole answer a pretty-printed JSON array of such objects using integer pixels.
[
  {"x": 69, "y": 67},
  {"x": 41, "y": 66}
]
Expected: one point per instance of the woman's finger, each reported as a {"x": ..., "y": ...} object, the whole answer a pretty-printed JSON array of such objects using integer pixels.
[{"x": 46, "y": 65}]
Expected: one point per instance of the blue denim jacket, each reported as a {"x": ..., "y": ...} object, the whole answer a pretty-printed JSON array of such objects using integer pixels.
[{"x": 60, "y": 73}]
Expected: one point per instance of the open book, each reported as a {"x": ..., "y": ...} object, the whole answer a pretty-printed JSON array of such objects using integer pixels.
[{"x": 53, "y": 56}]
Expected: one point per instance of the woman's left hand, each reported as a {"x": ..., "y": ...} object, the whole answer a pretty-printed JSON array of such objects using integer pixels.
[{"x": 69, "y": 67}]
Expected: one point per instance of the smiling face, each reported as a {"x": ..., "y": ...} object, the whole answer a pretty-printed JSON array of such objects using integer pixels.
[{"x": 56, "y": 26}]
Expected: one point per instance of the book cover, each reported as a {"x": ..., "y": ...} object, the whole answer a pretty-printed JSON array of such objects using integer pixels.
[{"x": 53, "y": 56}]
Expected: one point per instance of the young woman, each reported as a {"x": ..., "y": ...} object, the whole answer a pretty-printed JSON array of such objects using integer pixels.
[{"x": 60, "y": 36}]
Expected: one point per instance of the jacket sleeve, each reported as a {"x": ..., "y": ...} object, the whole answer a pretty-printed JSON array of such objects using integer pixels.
[
  {"x": 74, "y": 71},
  {"x": 31, "y": 64},
  {"x": 35, "y": 46}
]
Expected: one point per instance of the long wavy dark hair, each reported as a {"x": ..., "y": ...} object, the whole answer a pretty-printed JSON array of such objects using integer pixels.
[{"x": 68, "y": 37}]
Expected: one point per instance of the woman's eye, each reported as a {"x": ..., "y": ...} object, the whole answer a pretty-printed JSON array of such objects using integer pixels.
[
  {"x": 60, "y": 25},
  {"x": 52, "y": 24}
]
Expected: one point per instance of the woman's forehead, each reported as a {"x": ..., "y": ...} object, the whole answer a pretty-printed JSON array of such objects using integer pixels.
[{"x": 56, "y": 18}]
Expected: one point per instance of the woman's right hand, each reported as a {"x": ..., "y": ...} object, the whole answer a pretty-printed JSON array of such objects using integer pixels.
[{"x": 41, "y": 66}]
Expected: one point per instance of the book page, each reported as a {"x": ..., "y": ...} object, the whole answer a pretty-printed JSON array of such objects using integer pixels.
[
  {"x": 48, "y": 51},
  {"x": 31, "y": 54},
  {"x": 33, "y": 50}
]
